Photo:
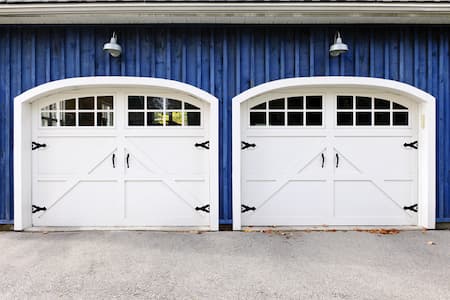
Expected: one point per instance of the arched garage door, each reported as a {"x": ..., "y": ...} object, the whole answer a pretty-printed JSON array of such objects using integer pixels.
[
  {"x": 328, "y": 156},
  {"x": 122, "y": 156}
]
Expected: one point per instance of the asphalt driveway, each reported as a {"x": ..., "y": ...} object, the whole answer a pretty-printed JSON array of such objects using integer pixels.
[{"x": 225, "y": 265}]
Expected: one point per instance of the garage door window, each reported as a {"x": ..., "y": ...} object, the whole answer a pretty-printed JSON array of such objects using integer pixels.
[
  {"x": 162, "y": 112},
  {"x": 368, "y": 111},
  {"x": 93, "y": 111},
  {"x": 289, "y": 111}
]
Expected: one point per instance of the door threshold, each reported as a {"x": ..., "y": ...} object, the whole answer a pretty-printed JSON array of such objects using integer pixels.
[
  {"x": 331, "y": 228},
  {"x": 117, "y": 228}
]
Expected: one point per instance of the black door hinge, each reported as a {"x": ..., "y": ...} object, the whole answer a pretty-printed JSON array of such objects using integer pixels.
[
  {"x": 37, "y": 208},
  {"x": 35, "y": 145},
  {"x": 413, "y": 207},
  {"x": 412, "y": 145},
  {"x": 245, "y": 208},
  {"x": 204, "y": 208},
  {"x": 203, "y": 145},
  {"x": 245, "y": 145}
]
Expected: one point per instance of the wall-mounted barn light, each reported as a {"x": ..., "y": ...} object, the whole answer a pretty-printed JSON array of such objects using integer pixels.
[
  {"x": 338, "y": 47},
  {"x": 112, "y": 47}
]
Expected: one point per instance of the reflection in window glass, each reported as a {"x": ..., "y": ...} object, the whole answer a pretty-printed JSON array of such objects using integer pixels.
[
  {"x": 276, "y": 118},
  {"x": 382, "y": 104},
  {"x": 48, "y": 119},
  {"x": 135, "y": 102},
  {"x": 295, "y": 118},
  {"x": 173, "y": 104},
  {"x": 190, "y": 106},
  {"x": 345, "y": 118},
  {"x": 155, "y": 119},
  {"x": 68, "y": 119},
  {"x": 260, "y": 106},
  {"x": 344, "y": 102},
  {"x": 50, "y": 107},
  {"x": 192, "y": 118},
  {"x": 295, "y": 103},
  {"x": 257, "y": 118},
  {"x": 135, "y": 118},
  {"x": 105, "y": 102},
  {"x": 314, "y": 118},
  {"x": 313, "y": 102},
  {"x": 363, "y": 103},
  {"x": 382, "y": 118},
  {"x": 276, "y": 104},
  {"x": 155, "y": 103},
  {"x": 68, "y": 104},
  {"x": 86, "y": 119},
  {"x": 400, "y": 118},
  {"x": 363, "y": 118},
  {"x": 174, "y": 118},
  {"x": 86, "y": 103},
  {"x": 398, "y": 106},
  {"x": 105, "y": 119}
]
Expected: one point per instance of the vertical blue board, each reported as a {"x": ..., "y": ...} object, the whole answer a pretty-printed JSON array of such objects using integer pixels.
[{"x": 225, "y": 61}]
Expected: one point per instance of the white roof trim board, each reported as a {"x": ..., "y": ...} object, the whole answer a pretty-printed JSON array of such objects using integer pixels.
[{"x": 226, "y": 12}]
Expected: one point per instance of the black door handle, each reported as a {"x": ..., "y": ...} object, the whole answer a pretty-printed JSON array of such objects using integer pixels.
[
  {"x": 337, "y": 160},
  {"x": 323, "y": 160},
  {"x": 245, "y": 145},
  {"x": 128, "y": 160},
  {"x": 114, "y": 160}
]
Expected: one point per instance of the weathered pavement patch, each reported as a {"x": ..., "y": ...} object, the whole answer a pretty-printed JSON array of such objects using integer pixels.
[{"x": 225, "y": 265}]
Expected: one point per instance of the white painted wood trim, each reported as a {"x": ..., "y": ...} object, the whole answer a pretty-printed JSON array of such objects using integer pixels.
[
  {"x": 23, "y": 129},
  {"x": 427, "y": 132},
  {"x": 231, "y": 13}
]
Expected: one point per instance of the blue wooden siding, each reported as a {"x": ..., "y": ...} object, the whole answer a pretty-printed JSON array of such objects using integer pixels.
[{"x": 224, "y": 61}]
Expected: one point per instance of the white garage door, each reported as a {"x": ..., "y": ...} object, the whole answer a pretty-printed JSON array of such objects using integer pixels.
[
  {"x": 335, "y": 158},
  {"x": 128, "y": 158}
]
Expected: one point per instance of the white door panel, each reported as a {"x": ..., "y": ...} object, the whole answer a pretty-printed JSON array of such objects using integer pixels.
[{"x": 335, "y": 175}]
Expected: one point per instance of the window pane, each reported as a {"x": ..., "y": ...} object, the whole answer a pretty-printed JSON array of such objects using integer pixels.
[
  {"x": 295, "y": 103},
  {"x": 68, "y": 118},
  {"x": 105, "y": 102},
  {"x": 313, "y": 102},
  {"x": 48, "y": 119},
  {"x": 400, "y": 118},
  {"x": 68, "y": 104},
  {"x": 50, "y": 107},
  {"x": 344, "y": 102},
  {"x": 155, "y": 103},
  {"x": 192, "y": 118},
  {"x": 344, "y": 118},
  {"x": 174, "y": 119},
  {"x": 173, "y": 104},
  {"x": 363, "y": 103},
  {"x": 155, "y": 119},
  {"x": 135, "y": 119},
  {"x": 363, "y": 118},
  {"x": 398, "y": 106},
  {"x": 314, "y": 118},
  {"x": 190, "y": 106},
  {"x": 105, "y": 119},
  {"x": 276, "y": 118},
  {"x": 295, "y": 118},
  {"x": 86, "y": 119},
  {"x": 86, "y": 103},
  {"x": 382, "y": 104},
  {"x": 382, "y": 118},
  {"x": 135, "y": 102},
  {"x": 258, "y": 119},
  {"x": 260, "y": 106},
  {"x": 276, "y": 104}
]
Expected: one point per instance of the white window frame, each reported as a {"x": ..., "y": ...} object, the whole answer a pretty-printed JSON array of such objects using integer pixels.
[
  {"x": 23, "y": 131},
  {"x": 426, "y": 122}
]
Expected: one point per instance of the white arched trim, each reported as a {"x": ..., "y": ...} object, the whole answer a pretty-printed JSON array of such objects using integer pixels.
[
  {"x": 23, "y": 127},
  {"x": 426, "y": 134}
]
